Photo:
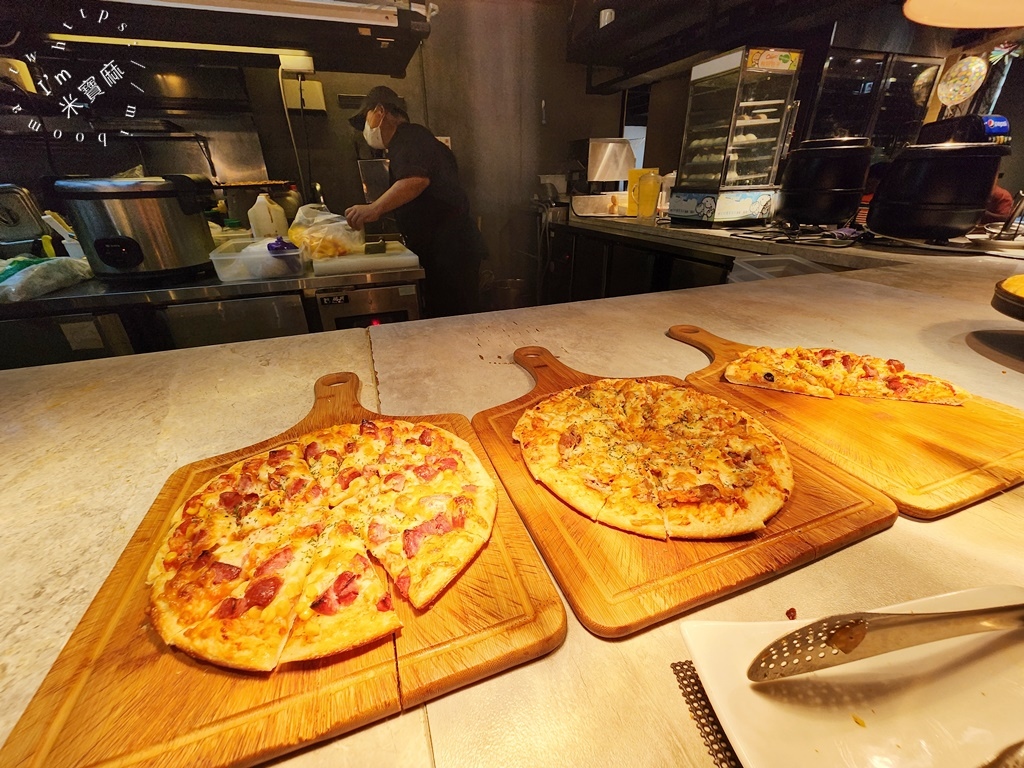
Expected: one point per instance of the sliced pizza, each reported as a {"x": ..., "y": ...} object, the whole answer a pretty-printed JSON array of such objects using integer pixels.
[
  {"x": 778, "y": 369},
  {"x": 432, "y": 510},
  {"x": 248, "y": 628},
  {"x": 269, "y": 561},
  {"x": 827, "y": 372},
  {"x": 889, "y": 379},
  {"x": 656, "y": 459},
  {"x": 344, "y": 603}
]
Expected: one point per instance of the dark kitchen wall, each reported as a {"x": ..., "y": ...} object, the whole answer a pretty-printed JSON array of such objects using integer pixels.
[
  {"x": 666, "y": 119},
  {"x": 480, "y": 78},
  {"x": 1011, "y": 106},
  {"x": 876, "y": 25}
]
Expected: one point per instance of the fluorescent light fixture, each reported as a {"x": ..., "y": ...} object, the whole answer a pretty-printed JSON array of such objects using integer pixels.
[
  {"x": 966, "y": 14},
  {"x": 301, "y": 65},
  {"x": 130, "y": 42},
  {"x": 351, "y": 11}
]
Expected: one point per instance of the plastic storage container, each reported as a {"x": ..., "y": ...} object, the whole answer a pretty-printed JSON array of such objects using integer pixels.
[{"x": 237, "y": 260}]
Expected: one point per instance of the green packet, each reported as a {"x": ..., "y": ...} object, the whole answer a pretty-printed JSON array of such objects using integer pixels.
[{"x": 18, "y": 263}]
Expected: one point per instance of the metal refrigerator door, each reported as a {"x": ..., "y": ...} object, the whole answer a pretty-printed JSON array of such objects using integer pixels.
[{"x": 221, "y": 322}]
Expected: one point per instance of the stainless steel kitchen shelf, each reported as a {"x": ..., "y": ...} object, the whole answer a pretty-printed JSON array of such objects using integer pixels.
[{"x": 97, "y": 294}]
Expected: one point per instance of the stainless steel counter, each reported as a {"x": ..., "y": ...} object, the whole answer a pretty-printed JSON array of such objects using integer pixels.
[
  {"x": 741, "y": 242},
  {"x": 100, "y": 318},
  {"x": 98, "y": 294}
]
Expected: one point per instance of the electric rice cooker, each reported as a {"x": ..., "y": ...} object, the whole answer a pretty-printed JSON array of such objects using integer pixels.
[{"x": 150, "y": 226}]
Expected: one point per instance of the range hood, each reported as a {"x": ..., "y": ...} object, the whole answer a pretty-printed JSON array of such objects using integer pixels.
[{"x": 340, "y": 35}]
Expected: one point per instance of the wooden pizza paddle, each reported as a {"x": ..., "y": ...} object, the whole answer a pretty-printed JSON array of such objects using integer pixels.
[
  {"x": 617, "y": 582},
  {"x": 105, "y": 700},
  {"x": 930, "y": 459}
]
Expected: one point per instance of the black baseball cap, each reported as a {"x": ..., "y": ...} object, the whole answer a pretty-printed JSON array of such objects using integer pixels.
[{"x": 379, "y": 94}]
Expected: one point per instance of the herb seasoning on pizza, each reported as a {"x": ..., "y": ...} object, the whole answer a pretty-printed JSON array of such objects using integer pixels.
[
  {"x": 656, "y": 459},
  {"x": 829, "y": 372},
  {"x": 269, "y": 562}
]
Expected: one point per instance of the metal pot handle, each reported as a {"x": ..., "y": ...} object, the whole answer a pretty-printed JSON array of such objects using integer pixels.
[{"x": 194, "y": 191}]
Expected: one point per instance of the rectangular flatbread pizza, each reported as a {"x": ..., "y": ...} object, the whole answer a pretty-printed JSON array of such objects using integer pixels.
[{"x": 826, "y": 372}]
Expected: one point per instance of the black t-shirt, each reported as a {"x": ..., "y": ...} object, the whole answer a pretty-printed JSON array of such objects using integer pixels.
[{"x": 415, "y": 151}]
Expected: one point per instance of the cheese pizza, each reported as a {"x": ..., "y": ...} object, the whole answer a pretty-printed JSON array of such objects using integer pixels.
[
  {"x": 270, "y": 561},
  {"x": 656, "y": 459}
]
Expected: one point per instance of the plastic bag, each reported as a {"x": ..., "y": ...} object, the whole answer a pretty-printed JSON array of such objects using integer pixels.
[
  {"x": 11, "y": 267},
  {"x": 40, "y": 279},
  {"x": 327, "y": 239},
  {"x": 305, "y": 217}
]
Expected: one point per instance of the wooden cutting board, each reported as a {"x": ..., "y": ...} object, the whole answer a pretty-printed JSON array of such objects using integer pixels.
[
  {"x": 618, "y": 582},
  {"x": 117, "y": 696},
  {"x": 930, "y": 459}
]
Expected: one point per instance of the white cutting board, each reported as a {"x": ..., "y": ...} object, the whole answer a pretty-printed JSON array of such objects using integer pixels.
[{"x": 396, "y": 257}]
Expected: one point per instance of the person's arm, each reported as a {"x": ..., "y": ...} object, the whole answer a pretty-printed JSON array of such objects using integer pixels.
[{"x": 397, "y": 195}]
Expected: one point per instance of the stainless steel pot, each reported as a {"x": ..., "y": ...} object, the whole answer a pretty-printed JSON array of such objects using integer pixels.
[{"x": 141, "y": 227}]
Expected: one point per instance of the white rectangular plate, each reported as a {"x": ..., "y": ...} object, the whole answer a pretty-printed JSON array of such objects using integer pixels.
[{"x": 952, "y": 704}]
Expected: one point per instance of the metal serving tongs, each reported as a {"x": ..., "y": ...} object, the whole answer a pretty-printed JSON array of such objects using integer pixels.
[
  {"x": 1016, "y": 210},
  {"x": 848, "y": 637}
]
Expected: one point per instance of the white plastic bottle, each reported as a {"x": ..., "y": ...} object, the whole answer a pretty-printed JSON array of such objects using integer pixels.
[{"x": 267, "y": 218}]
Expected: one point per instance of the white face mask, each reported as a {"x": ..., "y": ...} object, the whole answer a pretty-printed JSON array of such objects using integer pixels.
[{"x": 372, "y": 135}]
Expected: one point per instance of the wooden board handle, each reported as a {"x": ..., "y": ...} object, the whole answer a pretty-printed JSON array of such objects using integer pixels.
[
  {"x": 343, "y": 385},
  {"x": 550, "y": 373},
  {"x": 715, "y": 347},
  {"x": 336, "y": 401}
]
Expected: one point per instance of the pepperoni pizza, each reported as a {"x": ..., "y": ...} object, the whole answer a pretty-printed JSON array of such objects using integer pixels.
[{"x": 269, "y": 562}]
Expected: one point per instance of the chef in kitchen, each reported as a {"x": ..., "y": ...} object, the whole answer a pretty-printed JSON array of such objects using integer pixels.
[{"x": 430, "y": 205}]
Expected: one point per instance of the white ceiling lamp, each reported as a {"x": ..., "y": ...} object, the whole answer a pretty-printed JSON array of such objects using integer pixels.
[{"x": 966, "y": 14}]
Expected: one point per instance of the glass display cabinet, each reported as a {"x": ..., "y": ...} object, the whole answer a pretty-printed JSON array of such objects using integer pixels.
[
  {"x": 883, "y": 96},
  {"x": 737, "y": 123}
]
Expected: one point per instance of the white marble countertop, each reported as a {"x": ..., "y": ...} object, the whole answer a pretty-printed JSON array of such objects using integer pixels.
[{"x": 88, "y": 445}]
